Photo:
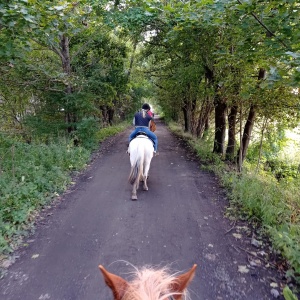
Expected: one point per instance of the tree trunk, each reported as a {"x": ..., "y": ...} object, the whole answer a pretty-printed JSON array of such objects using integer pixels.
[
  {"x": 231, "y": 146},
  {"x": 111, "y": 113},
  {"x": 203, "y": 119},
  {"x": 220, "y": 124},
  {"x": 70, "y": 116},
  {"x": 206, "y": 128},
  {"x": 193, "y": 118},
  {"x": 239, "y": 158},
  {"x": 250, "y": 120},
  {"x": 189, "y": 109},
  {"x": 261, "y": 144},
  {"x": 230, "y": 151},
  {"x": 185, "y": 117},
  {"x": 210, "y": 81},
  {"x": 65, "y": 58},
  {"x": 248, "y": 130},
  {"x": 105, "y": 117},
  {"x": 220, "y": 113}
]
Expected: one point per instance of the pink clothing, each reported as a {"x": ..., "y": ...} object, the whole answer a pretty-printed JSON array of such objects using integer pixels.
[{"x": 150, "y": 113}]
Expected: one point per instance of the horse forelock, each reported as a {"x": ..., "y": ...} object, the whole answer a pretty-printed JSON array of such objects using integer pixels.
[{"x": 151, "y": 284}]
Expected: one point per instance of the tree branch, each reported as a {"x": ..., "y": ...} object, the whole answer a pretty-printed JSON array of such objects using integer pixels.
[
  {"x": 51, "y": 48},
  {"x": 81, "y": 48},
  {"x": 266, "y": 28}
]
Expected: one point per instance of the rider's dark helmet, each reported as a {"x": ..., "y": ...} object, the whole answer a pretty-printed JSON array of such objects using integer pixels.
[{"x": 146, "y": 106}]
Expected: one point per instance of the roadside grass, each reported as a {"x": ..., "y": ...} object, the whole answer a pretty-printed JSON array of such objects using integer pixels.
[
  {"x": 110, "y": 131},
  {"x": 276, "y": 205},
  {"x": 32, "y": 176},
  {"x": 258, "y": 197}
]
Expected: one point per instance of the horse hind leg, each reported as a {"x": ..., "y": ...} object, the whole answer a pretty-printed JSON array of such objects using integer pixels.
[
  {"x": 145, "y": 177},
  {"x": 135, "y": 187},
  {"x": 133, "y": 196},
  {"x": 145, "y": 186},
  {"x": 141, "y": 178},
  {"x": 134, "y": 192}
]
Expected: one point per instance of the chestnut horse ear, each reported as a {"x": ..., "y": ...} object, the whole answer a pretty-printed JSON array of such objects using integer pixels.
[
  {"x": 117, "y": 284},
  {"x": 182, "y": 282}
]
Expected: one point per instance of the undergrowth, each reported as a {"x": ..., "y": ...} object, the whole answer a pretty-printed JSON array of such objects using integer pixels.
[
  {"x": 32, "y": 175},
  {"x": 110, "y": 131},
  {"x": 260, "y": 196},
  {"x": 276, "y": 205}
]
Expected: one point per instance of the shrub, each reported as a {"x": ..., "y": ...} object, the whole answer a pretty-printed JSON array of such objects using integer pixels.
[
  {"x": 31, "y": 176},
  {"x": 87, "y": 133},
  {"x": 273, "y": 204},
  {"x": 109, "y": 131}
]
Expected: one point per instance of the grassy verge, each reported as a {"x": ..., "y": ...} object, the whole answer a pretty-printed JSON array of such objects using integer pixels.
[
  {"x": 274, "y": 204},
  {"x": 31, "y": 176},
  {"x": 110, "y": 131}
]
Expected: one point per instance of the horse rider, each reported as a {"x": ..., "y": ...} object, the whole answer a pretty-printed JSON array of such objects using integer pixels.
[{"x": 141, "y": 121}]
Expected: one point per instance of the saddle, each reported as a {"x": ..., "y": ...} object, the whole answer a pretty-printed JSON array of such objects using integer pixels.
[{"x": 142, "y": 134}]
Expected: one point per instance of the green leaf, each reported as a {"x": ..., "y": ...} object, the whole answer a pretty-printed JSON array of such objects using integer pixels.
[
  {"x": 60, "y": 7},
  {"x": 29, "y": 18},
  {"x": 288, "y": 294},
  {"x": 293, "y": 54}
]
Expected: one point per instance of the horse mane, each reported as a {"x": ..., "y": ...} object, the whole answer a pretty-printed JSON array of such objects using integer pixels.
[
  {"x": 149, "y": 283},
  {"x": 152, "y": 284}
]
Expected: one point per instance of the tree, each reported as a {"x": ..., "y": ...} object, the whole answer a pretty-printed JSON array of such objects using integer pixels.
[
  {"x": 57, "y": 34},
  {"x": 238, "y": 45}
]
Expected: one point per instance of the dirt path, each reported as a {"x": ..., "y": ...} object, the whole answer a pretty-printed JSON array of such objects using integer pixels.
[{"x": 178, "y": 221}]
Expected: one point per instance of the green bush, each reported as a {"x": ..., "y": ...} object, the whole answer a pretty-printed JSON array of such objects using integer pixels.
[
  {"x": 273, "y": 204},
  {"x": 282, "y": 169},
  {"x": 103, "y": 133},
  {"x": 212, "y": 161},
  {"x": 31, "y": 176},
  {"x": 87, "y": 133}
]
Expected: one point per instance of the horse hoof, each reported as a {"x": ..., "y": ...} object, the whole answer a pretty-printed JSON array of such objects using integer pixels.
[
  {"x": 145, "y": 189},
  {"x": 133, "y": 198}
]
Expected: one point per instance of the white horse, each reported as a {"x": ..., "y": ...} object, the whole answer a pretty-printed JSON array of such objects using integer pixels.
[
  {"x": 141, "y": 153},
  {"x": 150, "y": 284}
]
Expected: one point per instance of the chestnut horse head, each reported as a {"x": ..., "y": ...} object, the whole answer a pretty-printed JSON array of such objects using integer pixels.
[{"x": 149, "y": 284}]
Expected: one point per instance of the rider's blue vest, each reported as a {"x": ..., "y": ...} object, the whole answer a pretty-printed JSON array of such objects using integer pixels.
[{"x": 140, "y": 121}]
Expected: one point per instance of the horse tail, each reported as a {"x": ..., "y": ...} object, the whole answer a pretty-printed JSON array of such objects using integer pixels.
[{"x": 137, "y": 168}]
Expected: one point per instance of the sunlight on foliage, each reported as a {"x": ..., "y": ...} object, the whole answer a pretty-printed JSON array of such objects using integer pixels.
[{"x": 259, "y": 196}]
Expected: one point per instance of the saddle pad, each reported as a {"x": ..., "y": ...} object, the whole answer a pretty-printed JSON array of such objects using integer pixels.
[{"x": 143, "y": 135}]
